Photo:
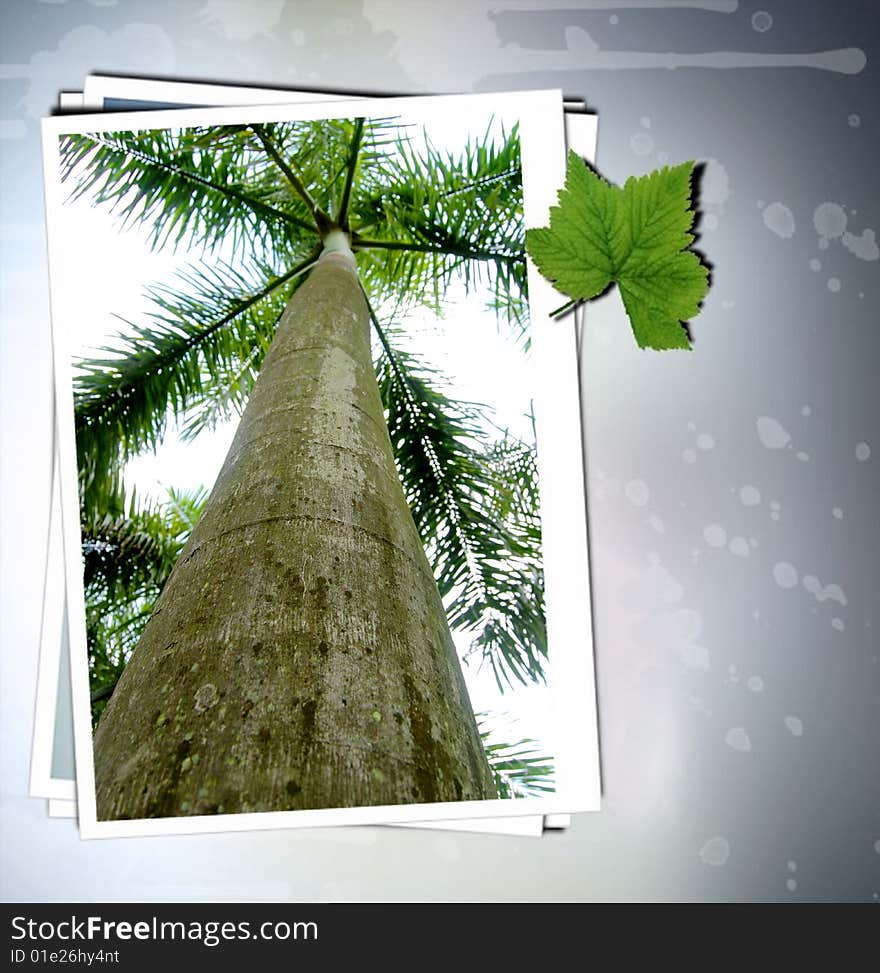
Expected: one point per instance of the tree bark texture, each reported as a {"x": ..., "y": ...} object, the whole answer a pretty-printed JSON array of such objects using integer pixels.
[{"x": 299, "y": 654}]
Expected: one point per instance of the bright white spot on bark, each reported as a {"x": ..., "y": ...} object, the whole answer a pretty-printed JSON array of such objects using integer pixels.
[{"x": 206, "y": 697}]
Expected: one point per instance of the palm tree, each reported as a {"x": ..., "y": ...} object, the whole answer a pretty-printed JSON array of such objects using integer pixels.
[
  {"x": 127, "y": 558},
  {"x": 300, "y": 654}
]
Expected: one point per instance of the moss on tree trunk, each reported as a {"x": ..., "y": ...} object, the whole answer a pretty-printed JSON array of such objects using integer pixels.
[{"x": 299, "y": 655}]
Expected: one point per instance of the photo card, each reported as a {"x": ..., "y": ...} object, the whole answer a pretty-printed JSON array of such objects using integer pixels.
[{"x": 332, "y": 739}]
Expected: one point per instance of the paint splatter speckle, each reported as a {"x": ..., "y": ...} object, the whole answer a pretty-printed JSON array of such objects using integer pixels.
[
  {"x": 715, "y": 535},
  {"x": 771, "y": 432},
  {"x": 785, "y": 574},
  {"x": 829, "y": 219},
  {"x": 637, "y": 493},
  {"x": 779, "y": 219},
  {"x": 750, "y": 496},
  {"x": 737, "y": 739},
  {"x": 794, "y": 725},
  {"x": 715, "y": 852}
]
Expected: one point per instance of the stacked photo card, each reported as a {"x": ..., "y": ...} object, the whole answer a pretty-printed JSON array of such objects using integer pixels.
[{"x": 318, "y": 547}]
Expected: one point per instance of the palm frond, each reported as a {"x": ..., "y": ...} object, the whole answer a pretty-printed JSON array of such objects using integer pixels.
[
  {"x": 520, "y": 768},
  {"x": 418, "y": 215},
  {"x": 127, "y": 558},
  {"x": 196, "y": 186},
  {"x": 196, "y": 360},
  {"x": 475, "y": 507}
]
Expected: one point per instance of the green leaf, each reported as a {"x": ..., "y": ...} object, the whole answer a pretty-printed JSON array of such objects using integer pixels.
[{"x": 636, "y": 237}]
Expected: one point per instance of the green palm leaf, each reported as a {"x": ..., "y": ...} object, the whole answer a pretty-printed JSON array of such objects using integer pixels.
[
  {"x": 189, "y": 190},
  {"x": 519, "y": 767},
  {"x": 475, "y": 506},
  {"x": 195, "y": 360}
]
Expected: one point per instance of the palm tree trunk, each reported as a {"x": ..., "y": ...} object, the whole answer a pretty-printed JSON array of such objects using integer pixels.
[{"x": 299, "y": 655}]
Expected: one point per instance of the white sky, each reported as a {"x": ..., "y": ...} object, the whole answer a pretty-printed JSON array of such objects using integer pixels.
[{"x": 104, "y": 273}]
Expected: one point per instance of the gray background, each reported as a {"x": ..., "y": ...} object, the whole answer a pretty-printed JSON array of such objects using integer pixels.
[{"x": 736, "y": 629}]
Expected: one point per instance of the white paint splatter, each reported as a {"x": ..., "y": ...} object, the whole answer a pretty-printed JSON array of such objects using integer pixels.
[
  {"x": 815, "y": 264},
  {"x": 772, "y": 433},
  {"x": 863, "y": 451},
  {"x": 791, "y": 884},
  {"x": 715, "y": 851},
  {"x": 785, "y": 574},
  {"x": 637, "y": 493},
  {"x": 833, "y": 284},
  {"x": 863, "y": 246},
  {"x": 755, "y": 684},
  {"x": 803, "y": 457},
  {"x": 689, "y": 456},
  {"x": 750, "y": 496},
  {"x": 737, "y": 739},
  {"x": 795, "y": 726},
  {"x": 715, "y": 535},
  {"x": 824, "y": 592},
  {"x": 762, "y": 21},
  {"x": 792, "y": 866},
  {"x": 715, "y": 184},
  {"x": 739, "y": 547},
  {"x": 657, "y": 524},
  {"x": 854, "y": 120},
  {"x": 779, "y": 219},
  {"x": 829, "y": 219},
  {"x": 837, "y": 624},
  {"x": 806, "y": 410},
  {"x": 641, "y": 143},
  {"x": 705, "y": 442}
]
